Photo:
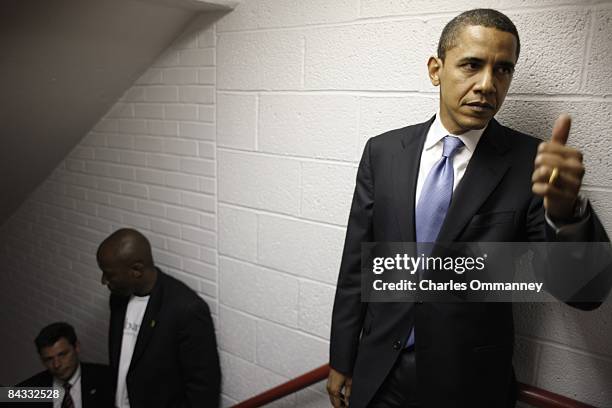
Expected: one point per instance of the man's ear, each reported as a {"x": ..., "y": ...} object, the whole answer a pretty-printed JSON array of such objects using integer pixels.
[
  {"x": 434, "y": 65},
  {"x": 137, "y": 269},
  {"x": 77, "y": 347}
]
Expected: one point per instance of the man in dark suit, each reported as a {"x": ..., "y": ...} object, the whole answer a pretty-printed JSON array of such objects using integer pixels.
[
  {"x": 505, "y": 186},
  {"x": 162, "y": 345},
  {"x": 81, "y": 384}
]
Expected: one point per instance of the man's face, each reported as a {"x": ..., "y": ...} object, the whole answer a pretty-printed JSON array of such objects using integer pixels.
[
  {"x": 474, "y": 77},
  {"x": 115, "y": 275},
  {"x": 61, "y": 359}
]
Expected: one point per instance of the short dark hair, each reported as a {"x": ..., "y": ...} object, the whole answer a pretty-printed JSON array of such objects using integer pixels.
[
  {"x": 50, "y": 334},
  {"x": 476, "y": 17}
]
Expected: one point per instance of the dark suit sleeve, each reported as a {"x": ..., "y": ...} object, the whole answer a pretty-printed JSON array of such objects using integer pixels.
[
  {"x": 591, "y": 284},
  {"x": 96, "y": 389},
  {"x": 42, "y": 379},
  {"x": 348, "y": 312},
  {"x": 198, "y": 357},
  {"x": 596, "y": 261}
]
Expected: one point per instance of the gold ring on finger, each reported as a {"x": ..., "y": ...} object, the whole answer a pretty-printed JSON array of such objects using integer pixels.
[{"x": 553, "y": 176}]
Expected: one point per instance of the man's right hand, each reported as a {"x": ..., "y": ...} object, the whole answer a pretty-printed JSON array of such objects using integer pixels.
[{"x": 335, "y": 383}]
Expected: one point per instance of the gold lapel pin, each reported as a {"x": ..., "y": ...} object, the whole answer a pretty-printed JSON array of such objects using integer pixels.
[{"x": 152, "y": 323}]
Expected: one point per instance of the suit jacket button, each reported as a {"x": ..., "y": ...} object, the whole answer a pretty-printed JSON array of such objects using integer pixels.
[{"x": 397, "y": 345}]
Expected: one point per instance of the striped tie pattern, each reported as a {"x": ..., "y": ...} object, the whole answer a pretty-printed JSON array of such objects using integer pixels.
[{"x": 67, "y": 402}]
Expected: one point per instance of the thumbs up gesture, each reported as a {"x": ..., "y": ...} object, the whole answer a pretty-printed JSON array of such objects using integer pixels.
[{"x": 558, "y": 172}]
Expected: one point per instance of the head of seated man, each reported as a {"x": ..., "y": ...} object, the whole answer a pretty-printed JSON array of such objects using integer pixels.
[
  {"x": 58, "y": 349},
  {"x": 127, "y": 263}
]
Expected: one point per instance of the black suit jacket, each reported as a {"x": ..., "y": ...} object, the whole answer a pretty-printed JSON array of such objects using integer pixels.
[
  {"x": 175, "y": 361},
  {"x": 463, "y": 350},
  {"x": 95, "y": 386}
]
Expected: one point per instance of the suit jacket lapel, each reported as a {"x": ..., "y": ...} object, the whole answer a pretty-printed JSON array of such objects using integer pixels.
[
  {"x": 87, "y": 389},
  {"x": 118, "y": 308},
  {"x": 406, "y": 163},
  {"x": 47, "y": 381},
  {"x": 149, "y": 320},
  {"x": 485, "y": 170}
]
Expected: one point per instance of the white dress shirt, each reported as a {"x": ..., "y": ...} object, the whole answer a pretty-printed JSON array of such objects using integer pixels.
[
  {"x": 432, "y": 152},
  {"x": 75, "y": 389}
]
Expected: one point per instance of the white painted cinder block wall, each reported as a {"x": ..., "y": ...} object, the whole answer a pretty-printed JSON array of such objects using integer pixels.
[
  {"x": 149, "y": 164},
  {"x": 245, "y": 191}
]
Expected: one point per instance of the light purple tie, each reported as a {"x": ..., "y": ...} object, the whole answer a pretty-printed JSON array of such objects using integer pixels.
[{"x": 435, "y": 198}]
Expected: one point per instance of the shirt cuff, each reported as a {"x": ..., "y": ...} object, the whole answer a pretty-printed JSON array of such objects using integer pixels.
[{"x": 575, "y": 229}]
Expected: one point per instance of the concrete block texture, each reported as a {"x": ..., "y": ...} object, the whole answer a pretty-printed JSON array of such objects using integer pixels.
[
  {"x": 599, "y": 63},
  {"x": 581, "y": 376},
  {"x": 180, "y": 76},
  {"x": 534, "y": 73},
  {"x": 149, "y": 111},
  {"x": 238, "y": 233},
  {"x": 264, "y": 182},
  {"x": 301, "y": 248},
  {"x": 380, "y": 114},
  {"x": 526, "y": 353},
  {"x": 161, "y": 94},
  {"x": 288, "y": 352},
  {"x": 196, "y": 94},
  {"x": 202, "y": 131},
  {"x": 309, "y": 125},
  {"x": 258, "y": 291},
  {"x": 327, "y": 191},
  {"x": 271, "y": 13},
  {"x": 588, "y": 132},
  {"x": 237, "y": 121},
  {"x": 249, "y": 61},
  {"x": 197, "y": 166},
  {"x": 387, "y": 56},
  {"x": 584, "y": 331},
  {"x": 374, "y": 8},
  {"x": 181, "y": 112},
  {"x": 237, "y": 333},
  {"x": 315, "y": 305},
  {"x": 247, "y": 379}
]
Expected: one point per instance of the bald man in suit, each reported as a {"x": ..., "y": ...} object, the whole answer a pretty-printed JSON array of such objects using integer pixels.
[{"x": 162, "y": 344}]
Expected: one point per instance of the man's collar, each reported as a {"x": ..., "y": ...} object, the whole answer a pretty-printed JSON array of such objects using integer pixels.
[
  {"x": 437, "y": 131},
  {"x": 73, "y": 380}
]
